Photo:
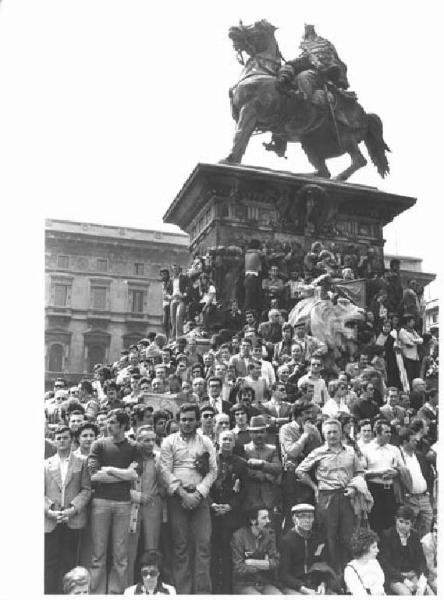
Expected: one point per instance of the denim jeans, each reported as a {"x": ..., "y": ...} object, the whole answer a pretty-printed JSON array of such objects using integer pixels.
[
  {"x": 148, "y": 524},
  {"x": 191, "y": 532},
  {"x": 109, "y": 516}
]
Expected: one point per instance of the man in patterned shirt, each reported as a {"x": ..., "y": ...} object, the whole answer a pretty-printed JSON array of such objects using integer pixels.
[{"x": 188, "y": 466}]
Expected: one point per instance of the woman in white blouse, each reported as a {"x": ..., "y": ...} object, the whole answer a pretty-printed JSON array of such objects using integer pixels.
[{"x": 363, "y": 575}]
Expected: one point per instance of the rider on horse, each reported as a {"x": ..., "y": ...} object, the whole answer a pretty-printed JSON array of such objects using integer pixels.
[
  {"x": 309, "y": 73},
  {"x": 317, "y": 64}
]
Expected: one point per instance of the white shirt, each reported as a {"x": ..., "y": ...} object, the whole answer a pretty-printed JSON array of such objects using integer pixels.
[
  {"x": 380, "y": 458},
  {"x": 320, "y": 395},
  {"x": 419, "y": 484},
  {"x": 369, "y": 576},
  {"x": 63, "y": 465},
  {"x": 332, "y": 408},
  {"x": 267, "y": 372}
]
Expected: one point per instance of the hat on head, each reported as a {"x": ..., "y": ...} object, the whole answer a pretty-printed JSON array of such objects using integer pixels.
[
  {"x": 257, "y": 423},
  {"x": 302, "y": 507},
  {"x": 302, "y": 320}
]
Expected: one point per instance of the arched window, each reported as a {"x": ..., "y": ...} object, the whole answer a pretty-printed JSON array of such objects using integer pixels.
[
  {"x": 56, "y": 358},
  {"x": 96, "y": 355}
]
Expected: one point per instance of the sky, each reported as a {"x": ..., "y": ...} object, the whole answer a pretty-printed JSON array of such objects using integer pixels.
[{"x": 107, "y": 106}]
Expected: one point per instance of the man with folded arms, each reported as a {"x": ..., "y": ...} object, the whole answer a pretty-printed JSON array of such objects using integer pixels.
[{"x": 255, "y": 558}]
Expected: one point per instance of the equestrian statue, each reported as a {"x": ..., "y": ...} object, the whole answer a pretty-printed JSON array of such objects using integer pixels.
[{"x": 305, "y": 100}]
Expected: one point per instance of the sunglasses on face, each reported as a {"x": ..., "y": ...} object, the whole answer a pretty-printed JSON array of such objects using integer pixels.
[
  {"x": 210, "y": 416},
  {"x": 149, "y": 571}
]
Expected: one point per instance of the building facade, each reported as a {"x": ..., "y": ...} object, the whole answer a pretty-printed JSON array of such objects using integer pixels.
[{"x": 103, "y": 291}]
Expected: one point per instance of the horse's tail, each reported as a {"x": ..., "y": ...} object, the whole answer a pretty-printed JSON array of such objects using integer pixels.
[{"x": 376, "y": 145}]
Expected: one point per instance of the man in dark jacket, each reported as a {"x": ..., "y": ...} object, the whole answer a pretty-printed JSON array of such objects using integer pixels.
[
  {"x": 227, "y": 494},
  {"x": 301, "y": 547},
  {"x": 401, "y": 556}
]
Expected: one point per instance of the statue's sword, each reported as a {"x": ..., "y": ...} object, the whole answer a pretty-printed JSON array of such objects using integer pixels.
[{"x": 335, "y": 123}]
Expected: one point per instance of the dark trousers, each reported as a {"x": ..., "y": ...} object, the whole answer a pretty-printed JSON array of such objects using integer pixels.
[
  {"x": 61, "y": 547},
  {"x": 253, "y": 292},
  {"x": 166, "y": 321},
  {"x": 336, "y": 517},
  {"x": 412, "y": 368},
  {"x": 221, "y": 563},
  {"x": 382, "y": 515},
  {"x": 293, "y": 492},
  {"x": 191, "y": 532}
]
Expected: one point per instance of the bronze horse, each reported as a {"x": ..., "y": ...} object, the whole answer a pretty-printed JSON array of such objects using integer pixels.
[{"x": 258, "y": 105}]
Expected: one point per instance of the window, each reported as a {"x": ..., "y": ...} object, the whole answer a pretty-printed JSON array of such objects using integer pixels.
[
  {"x": 102, "y": 265},
  {"x": 98, "y": 297},
  {"x": 61, "y": 291},
  {"x": 434, "y": 318},
  {"x": 136, "y": 301},
  {"x": 56, "y": 358},
  {"x": 138, "y": 268},
  {"x": 63, "y": 262},
  {"x": 96, "y": 356}
]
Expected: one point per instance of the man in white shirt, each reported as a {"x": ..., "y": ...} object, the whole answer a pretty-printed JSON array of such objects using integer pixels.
[
  {"x": 313, "y": 376},
  {"x": 267, "y": 371},
  {"x": 410, "y": 340},
  {"x": 67, "y": 492},
  {"x": 421, "y": 477},
  {"x": 382, "y": 461}
]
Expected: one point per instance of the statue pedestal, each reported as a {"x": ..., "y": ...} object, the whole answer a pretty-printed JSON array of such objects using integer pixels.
[{"x": 222, "y": 205}]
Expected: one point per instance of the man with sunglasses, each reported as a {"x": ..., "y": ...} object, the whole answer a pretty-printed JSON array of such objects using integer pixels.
[
  {"x": 114, "y": 463},
  {"x": 313, "y": 376},
  {"x": 189, "y": 469}
]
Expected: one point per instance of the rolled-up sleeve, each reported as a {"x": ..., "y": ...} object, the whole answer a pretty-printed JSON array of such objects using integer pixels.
[
  {"x": 166, "y": 466},
  {"x": 204, "y": 486}
]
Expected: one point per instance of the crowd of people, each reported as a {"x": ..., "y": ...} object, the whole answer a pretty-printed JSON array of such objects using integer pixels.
[{"x": 285, "y": 467}]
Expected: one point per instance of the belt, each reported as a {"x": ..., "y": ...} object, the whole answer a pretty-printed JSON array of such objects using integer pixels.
[{"x": 419, "y": 494}]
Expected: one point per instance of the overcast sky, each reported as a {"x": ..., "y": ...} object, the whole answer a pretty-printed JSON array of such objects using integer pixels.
[{"x": 108, "y": 106}]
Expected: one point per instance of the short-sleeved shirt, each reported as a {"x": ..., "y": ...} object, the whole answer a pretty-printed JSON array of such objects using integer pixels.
[{"x": 107, "y": 453}]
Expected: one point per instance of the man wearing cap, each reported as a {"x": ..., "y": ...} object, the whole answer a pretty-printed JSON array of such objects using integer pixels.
[
  {"x": 336, "y": 466},
  {"x": 300, "y": 548},
  {"x": 264, "y": 468},
  {"x": 297, "y": 439}
]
